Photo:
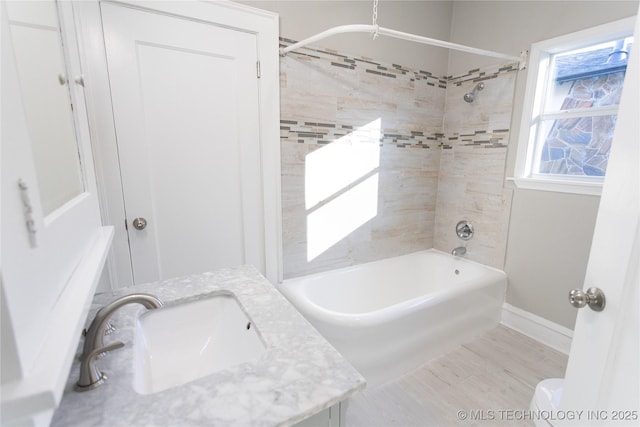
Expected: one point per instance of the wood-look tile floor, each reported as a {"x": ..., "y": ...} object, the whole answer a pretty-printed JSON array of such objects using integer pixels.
[{"x": 487, "y": 382}]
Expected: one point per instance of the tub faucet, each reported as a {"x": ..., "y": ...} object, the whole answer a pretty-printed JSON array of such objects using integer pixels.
[
  {"x": 459, "y": 251},
  {"x": 90, "y": 376}
]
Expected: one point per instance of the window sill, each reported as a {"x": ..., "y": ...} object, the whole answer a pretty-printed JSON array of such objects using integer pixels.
[{"x": 571, "y": 187}]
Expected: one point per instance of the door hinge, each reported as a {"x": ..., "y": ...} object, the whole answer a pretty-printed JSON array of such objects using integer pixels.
[
  {"x": 126, "y": 226},
  {"x": 258, "y": 68}
]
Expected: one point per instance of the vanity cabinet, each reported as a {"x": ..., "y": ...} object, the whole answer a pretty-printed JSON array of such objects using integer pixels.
[
  {"x": 291, "y": 374},
  {"x": 53, "y": 243},
  {"x": 330, "y": 417}
]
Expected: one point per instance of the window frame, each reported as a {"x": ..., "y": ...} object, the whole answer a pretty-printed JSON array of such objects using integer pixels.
[{"x": 533, "y": 114}]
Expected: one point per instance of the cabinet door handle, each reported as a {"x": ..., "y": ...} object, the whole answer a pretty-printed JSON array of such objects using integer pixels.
[{"x": 27, "y": 210}]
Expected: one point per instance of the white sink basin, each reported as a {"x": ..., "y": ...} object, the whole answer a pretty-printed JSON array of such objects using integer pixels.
[{"x": 181, "y": 343}]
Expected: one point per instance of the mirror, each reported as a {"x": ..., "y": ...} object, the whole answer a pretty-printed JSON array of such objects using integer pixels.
[{"x": 44, "y": 86}]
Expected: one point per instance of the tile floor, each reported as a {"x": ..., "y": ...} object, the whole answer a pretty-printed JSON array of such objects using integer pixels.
[{"x": 487, "y": 382}]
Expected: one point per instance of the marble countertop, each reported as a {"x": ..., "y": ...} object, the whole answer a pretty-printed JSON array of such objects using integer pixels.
[{"x": 299, "y": 375}]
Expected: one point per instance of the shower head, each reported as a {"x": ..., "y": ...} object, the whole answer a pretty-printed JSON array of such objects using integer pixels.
[{"x": 471, "y": 96}]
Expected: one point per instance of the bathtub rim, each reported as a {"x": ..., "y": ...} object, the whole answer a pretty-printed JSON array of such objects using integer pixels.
[{"x": 385, "y": 314}]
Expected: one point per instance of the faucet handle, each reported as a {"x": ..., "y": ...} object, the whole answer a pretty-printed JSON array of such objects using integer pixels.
[
  {"x": 112, "y": 346},
  {"x": 90, "y": 376},
  {"x": 109, "y": 328}
]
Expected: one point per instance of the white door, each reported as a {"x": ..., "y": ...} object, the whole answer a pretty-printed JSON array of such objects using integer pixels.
[
  {"x": 185, "y": 105},
  {"x": 603, "y": 372}
]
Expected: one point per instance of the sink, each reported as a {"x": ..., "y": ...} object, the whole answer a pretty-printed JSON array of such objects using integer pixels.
[{"x": 181, "y": 343}]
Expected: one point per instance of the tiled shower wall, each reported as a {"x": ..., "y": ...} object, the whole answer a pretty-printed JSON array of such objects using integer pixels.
[
  {"x": 360, "y": 156},
  {"x": 363, "y": 150},
  {"x": 472, "y": 171}
]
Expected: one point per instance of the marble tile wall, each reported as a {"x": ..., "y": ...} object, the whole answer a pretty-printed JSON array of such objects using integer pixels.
[
  {"x": 361, "y": 144},
  {"x": 472, "y": 165},
  {"x": 379, "y": 160}
]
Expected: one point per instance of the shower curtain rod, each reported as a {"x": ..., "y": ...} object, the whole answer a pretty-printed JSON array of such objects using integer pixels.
[{"x": 374, "y": 29}]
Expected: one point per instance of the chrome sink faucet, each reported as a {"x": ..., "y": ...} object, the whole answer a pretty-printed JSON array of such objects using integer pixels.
[{"x": 90, "y": 376}]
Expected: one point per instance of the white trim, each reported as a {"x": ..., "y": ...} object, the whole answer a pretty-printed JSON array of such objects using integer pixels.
[
  {"x": 540, "y": 329},
  {"x": 103, "y": 140},
  {"x": 580, "y": 112},
  {"x": 590, "y": 36},
  {"x": 534, "y": 93},
  {"x": 558, "y": 186}
]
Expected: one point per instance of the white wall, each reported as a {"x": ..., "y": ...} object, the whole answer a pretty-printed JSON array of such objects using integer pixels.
[
  {"x": 547, "y": 251},
  {"x": 511, "y": 26},
  {"x": 549, "y": 233},
  {"x": 302, "y": 19}
]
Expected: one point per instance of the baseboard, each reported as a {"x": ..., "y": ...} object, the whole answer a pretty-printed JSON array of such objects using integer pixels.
[{"x": 540, "y": 329}]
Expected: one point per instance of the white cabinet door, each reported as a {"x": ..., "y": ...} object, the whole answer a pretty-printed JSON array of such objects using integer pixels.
[
  {"x": 53, "y": 247},
  {"x": 185, "y": 105},
  {"x": 37, "y": 131}
]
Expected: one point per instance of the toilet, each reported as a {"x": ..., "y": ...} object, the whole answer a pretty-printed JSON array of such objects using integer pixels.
[{"x": 546, "y": 398}]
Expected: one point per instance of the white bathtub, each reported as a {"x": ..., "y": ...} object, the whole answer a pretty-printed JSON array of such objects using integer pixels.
[{"x": 389, "y": 317}]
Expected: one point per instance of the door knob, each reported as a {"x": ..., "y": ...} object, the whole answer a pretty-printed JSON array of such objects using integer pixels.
[
  {"x": 139, "y": 223},
  {"x": 594, "y": 298}
]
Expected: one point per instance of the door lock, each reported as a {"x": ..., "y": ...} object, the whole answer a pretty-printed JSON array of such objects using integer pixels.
[
  {"x": 594, "y": 298},
  {"x": 139, "y": 223}
]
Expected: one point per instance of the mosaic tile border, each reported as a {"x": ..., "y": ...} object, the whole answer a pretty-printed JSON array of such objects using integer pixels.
[
  {"x": 497, "y": 138},
  {"x": 478, "y": 74},
  {"x": 394, "y": 71},
  {"x": 367, "y": 64},
  {"x": 304, "y": 132},
  {"x": 325, "y": 133}
]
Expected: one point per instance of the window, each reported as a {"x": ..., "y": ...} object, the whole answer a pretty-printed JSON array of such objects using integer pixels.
[{"x": 571, "y": 104}]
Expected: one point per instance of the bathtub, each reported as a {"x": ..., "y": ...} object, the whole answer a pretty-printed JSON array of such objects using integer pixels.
[{"x": 389, "y": 317}]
